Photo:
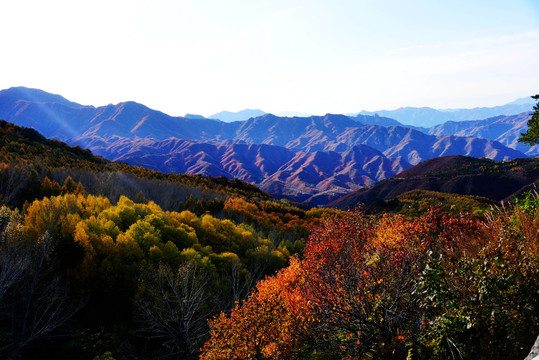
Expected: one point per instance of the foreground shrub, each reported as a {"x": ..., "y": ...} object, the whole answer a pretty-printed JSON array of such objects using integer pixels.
[{"x": 434, "y": 286}]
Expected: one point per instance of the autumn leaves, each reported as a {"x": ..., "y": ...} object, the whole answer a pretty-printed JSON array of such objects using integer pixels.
[{"x": 393, "y": 287}]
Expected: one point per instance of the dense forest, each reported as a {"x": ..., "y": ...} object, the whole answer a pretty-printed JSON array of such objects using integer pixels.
[
  {"x": 427, "y": 287},
  {"x": 102, "y": 260},
  {"x": 104, "y": 234}
]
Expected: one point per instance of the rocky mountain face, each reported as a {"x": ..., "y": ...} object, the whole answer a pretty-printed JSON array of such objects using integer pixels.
[
  {"x": 504, "y": 129},
  {"x": 313, "y": 177},
  {"x": 314, "y": 159}
]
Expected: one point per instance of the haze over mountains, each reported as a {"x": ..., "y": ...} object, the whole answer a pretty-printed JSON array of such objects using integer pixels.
[
  {"x": 409, "y": 116},
  {"x": 427, "y": 117},
  {"x": 313, "y": 159},
  {"x": 505, "y": 129}
]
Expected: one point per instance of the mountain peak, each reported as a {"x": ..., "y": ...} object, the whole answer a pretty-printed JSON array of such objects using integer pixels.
[
  {"x": 194, "y": 117},
  {"x": 36, "y": 96},
  {"x": 522, "y": 101},
  {"x": 337, "y": 117},
  {"x": 228, "y": 116}
]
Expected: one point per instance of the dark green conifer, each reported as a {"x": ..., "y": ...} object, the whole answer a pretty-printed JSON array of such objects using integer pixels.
[{"x": 531, "y": 137}]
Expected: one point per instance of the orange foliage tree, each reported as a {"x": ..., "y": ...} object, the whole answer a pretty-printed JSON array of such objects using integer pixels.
[
  {"x": 393, "y": 287},
  {"x": 272, "y": 323}
]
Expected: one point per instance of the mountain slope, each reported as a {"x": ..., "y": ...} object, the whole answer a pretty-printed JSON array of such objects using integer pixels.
[
  {"x": 19, "y": 145},
  {"x": 320, "y": 177},
  {"x": 455, "y": 175},
  {"x": 415, "y": 146},
  {"x": 505, "y": 129},
  {"x": 65, "y": 120},
  {"x": 315, "y": 178},
  {"x": 375, "y": 120},
  {"x": 21, "y": 93}
]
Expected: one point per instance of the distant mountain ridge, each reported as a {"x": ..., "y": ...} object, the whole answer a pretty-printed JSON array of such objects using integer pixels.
[
  {"x": 505, "y": 129},
  {"x": 21, "y": 93},
  {"x": 427, "y": 117},
  {"x": 312, "y": 158},
  {"x": 228, "y": 116},
  {"x": 316, "y": 133}
]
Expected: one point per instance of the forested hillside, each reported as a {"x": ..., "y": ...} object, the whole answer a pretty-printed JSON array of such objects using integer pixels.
[
  {"x": 392, "y": 287},
  {"x": 26, "y": 148},
  {"x": 104, "y": 243},
  {"x": 102, "y": 260},
  {"x": 495, "y": 180}
]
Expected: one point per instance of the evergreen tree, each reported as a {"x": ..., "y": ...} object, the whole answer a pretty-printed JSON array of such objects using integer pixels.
[{"x": 531, "y": 137}]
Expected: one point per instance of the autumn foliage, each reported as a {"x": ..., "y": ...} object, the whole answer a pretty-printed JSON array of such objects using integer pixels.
[
  {"x": 101, "y": 260},
  {"x": 270, "y": 324},
  {"x": 124, "y": 259},
  {"x": 434, "y": 286}
]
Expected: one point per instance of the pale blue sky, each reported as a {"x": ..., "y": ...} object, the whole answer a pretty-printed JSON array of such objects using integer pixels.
[{"x": 337, "y": 56}]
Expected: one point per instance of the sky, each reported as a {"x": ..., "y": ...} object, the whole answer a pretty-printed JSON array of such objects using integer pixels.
[{"x": 309, "y": 56}]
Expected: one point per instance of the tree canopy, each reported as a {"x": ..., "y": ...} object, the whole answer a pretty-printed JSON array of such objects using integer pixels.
[{"x": 531, "y": 137}]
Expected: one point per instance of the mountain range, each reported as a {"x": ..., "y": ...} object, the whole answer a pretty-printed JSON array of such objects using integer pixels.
[
  {"x": 312, "y": 177},
  {"x": 417, "y": 117},
  {"x": 427, "y": 117},
  {"x": 313, "y": 159},
  {"x": 505, "y": 129}
]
